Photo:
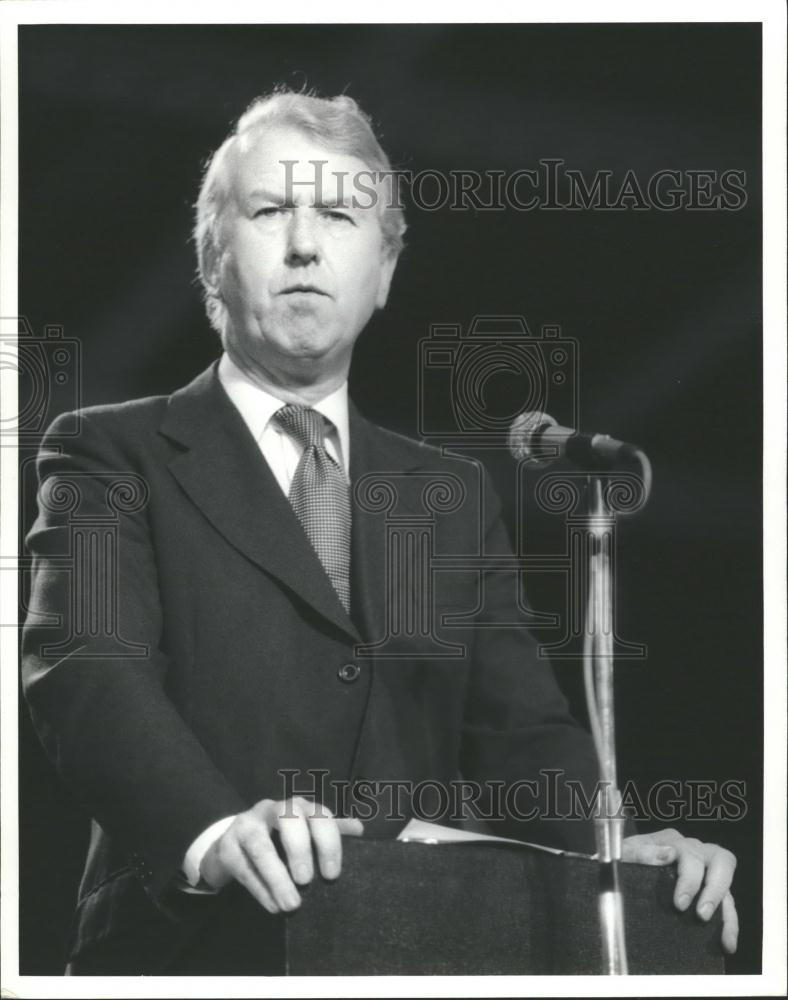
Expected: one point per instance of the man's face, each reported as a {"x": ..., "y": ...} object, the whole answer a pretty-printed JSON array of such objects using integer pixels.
[{"x": 302, "y": 269}]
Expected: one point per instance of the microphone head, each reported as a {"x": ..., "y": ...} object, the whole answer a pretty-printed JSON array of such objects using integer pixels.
[{"x": 524, "y": 435}]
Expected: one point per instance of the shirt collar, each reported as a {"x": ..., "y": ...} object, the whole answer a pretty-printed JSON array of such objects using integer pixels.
[{"x": 257, "y": 406}]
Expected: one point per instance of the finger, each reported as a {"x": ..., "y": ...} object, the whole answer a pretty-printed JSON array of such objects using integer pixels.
[
  {"x": 730, "y": 924},
  {"x": 666, "y": 836},
  {"x": 350, "y": 827},
  {"x": 691, "y": 867},
  {"x": 212, "y": 869},
  {"x": 233, "y": 859},
  {"x": 720, "y": 866},
  {"x": 297, "y": 843},
  {"x": 259, "y": 849},
  {"x": 328, "y": 843},
  {"x": 645, "y": 850}
]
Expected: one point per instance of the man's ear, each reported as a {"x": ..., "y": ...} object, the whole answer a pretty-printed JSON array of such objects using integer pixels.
[
  {"x": 212, "y": 267},
  {"x": 387, "y": 267},
  {"x": 215, "y": 252}
]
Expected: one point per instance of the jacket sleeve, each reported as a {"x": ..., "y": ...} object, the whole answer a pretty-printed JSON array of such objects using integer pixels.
[
  {"x": 93, "y": 670},
  {"x": 517, "y": 726}
]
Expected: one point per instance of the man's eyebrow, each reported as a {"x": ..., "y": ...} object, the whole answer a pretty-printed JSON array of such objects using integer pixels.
[
  {"x": 275, "y": 196},
  {"x": 278, "y": 199},
  {"x": 330, "y": 202}
]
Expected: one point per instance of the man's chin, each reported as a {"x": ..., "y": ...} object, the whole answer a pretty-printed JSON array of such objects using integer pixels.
[
  {"x": 299, "y": 345},
  {"x": 309, "y": 352},
  {"x": 308, "y": 338},
  {"x": 309, "y": 347}
]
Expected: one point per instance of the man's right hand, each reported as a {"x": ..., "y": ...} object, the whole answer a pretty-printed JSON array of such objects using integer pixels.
[{"x": 247, "y": 853}]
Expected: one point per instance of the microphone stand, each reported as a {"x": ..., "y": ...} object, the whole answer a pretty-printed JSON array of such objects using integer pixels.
[
  {"x": 598, "y": 676},
  {"x": 535, "y": 437}
]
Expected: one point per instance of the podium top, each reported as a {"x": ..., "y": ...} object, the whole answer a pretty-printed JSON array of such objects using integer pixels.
[{"x": 484, "y": 908}]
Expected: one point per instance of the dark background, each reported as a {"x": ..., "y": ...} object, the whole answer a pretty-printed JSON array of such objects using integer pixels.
[{"x": 115, "y": 124}]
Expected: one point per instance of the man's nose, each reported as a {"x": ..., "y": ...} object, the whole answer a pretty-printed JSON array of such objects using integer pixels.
[{"x": 302, "y": 239}]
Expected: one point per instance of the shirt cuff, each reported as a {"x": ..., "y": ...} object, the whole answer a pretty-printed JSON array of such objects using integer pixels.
[{"x": 200, "y": 847}]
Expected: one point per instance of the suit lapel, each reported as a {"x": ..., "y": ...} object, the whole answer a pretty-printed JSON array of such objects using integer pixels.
[
  {"x": 224, "y": 474},
  {"x": 376, "y": 456},
  {"x": 368, "y": 541}
]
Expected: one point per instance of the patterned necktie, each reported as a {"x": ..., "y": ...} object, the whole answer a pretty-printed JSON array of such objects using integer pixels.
[{"x": 320, "y": 496}]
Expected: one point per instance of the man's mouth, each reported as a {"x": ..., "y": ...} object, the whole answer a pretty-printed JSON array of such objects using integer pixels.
[{"x": 295, "y": 289}]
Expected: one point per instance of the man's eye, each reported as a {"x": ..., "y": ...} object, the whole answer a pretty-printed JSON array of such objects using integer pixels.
[
  {"x": 337, "y": 216},
  {"x": 269, "y": 211}
]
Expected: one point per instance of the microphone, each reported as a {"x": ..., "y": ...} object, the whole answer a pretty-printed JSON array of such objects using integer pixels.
[{"x": 538, "y": 439}]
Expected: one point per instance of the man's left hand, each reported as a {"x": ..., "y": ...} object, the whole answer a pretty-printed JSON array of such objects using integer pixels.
[{"x": 704, "y": 870}]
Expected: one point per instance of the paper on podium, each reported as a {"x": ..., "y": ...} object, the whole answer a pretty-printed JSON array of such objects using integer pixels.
[{"x": 433, "y": 833}]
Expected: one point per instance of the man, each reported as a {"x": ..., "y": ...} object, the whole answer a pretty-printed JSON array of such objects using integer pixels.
[{"x": 249, "y": 593}]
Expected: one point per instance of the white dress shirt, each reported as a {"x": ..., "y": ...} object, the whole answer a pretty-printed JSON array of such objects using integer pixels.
[{"x": 282, "y": 453}]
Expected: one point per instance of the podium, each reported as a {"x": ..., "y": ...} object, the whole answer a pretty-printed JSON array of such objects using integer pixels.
[{"x": 486, "y": 909}]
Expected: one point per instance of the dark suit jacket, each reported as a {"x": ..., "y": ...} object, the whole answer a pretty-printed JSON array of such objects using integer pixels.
[{"x": 219, "y": 654}]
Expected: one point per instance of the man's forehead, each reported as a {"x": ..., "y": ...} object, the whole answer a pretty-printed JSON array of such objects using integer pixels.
[{"x": 279, "y": 158}]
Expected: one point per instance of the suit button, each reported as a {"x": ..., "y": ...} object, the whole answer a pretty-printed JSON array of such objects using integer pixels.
[{"x": 349, "y": 673}]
